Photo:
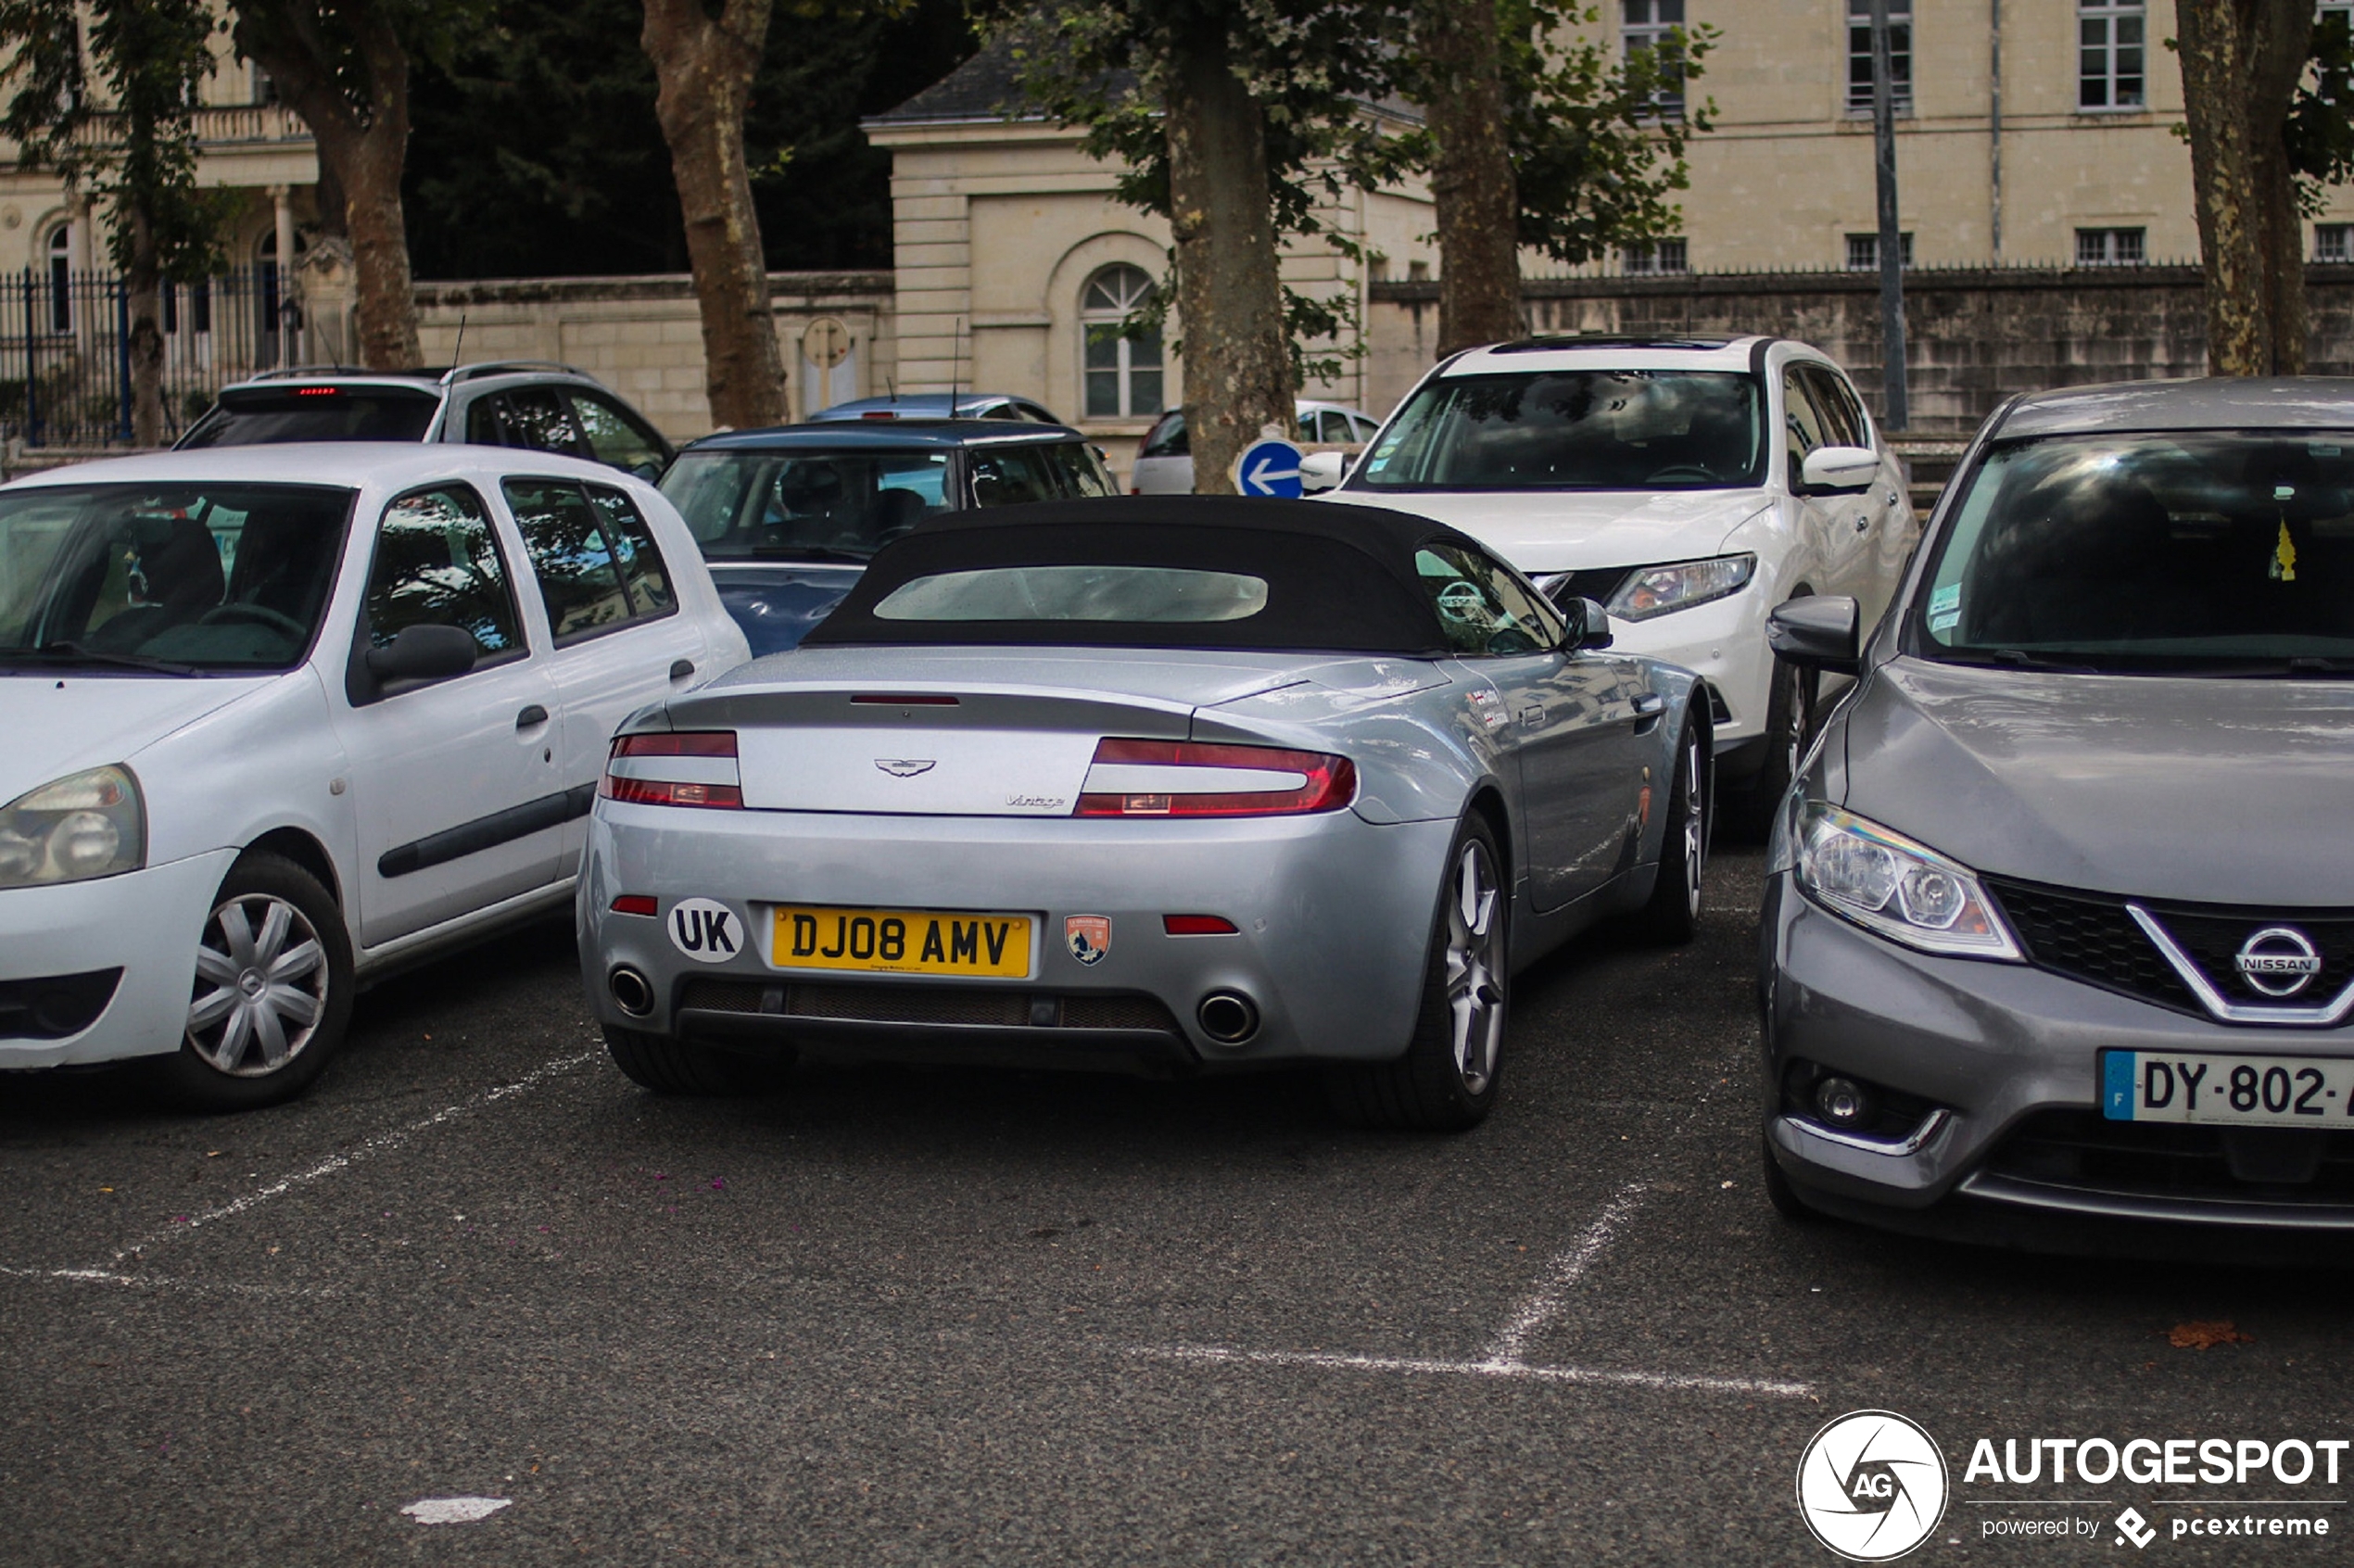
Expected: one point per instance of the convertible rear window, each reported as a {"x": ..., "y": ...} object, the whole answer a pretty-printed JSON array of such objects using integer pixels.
[
  {"x": 2225, "y": 552},
  {"x": 1077, "y": 593}
]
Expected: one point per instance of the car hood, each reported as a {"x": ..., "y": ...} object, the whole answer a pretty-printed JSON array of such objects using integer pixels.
[
  {"x": 61, "y": 722},
  {"x": 2206, "y": 791},
  {"x": 1573, "y": 530}
]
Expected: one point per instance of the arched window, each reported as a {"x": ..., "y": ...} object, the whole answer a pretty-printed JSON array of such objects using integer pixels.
[
  {"x": 1122, "y": 372},
  {"x": 61, "y": 278}
]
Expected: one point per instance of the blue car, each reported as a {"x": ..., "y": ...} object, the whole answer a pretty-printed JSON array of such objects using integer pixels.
[{"x": 787, "y": 518}]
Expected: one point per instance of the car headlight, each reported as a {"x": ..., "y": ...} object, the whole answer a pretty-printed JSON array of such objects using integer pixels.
[
  {"x": 1679, "y": 585},
  {"x": 83, "y": 825},
  {"x": 1906, "y": 891}
]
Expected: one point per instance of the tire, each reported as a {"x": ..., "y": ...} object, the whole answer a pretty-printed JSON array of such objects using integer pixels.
[
  {"x": 1447, "y": 1079},
  {"x": 1671, "y": 916},
  {"x": 1790, "y": 726},
  {"x": 272, "y": 996},
  {"x": 677, "y": 1067},
  {"x": 1778, "y": 1191}
]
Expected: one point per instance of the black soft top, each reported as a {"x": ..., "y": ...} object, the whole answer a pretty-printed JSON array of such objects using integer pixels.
[{"x": 1339, "y": 578}]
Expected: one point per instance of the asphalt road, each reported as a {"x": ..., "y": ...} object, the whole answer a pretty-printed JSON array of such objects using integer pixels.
[{"x": 951, "y": 1317}]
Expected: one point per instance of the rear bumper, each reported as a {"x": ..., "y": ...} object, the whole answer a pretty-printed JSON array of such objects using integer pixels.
[{"x": 1334, "y": 916}]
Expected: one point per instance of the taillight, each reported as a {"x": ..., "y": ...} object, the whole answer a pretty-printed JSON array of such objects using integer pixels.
[
  {"x": 1187, "y": 779},
  {"x": 682, "y": 768}
]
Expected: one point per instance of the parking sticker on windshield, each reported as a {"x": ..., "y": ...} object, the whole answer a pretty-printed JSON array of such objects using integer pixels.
[{"x": 1944, "y": 609}]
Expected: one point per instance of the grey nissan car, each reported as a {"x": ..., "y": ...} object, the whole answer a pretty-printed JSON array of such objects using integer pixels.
[{"x": 2058, "y": 946}]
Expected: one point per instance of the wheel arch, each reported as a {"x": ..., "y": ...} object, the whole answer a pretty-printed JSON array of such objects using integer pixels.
[
  {"x": 1486, "y": 802},
  {"x": 300, "y": 847}
]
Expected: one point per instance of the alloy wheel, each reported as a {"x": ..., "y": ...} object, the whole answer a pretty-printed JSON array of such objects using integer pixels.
[
  {"x": 1475, "y": 966},
  {"x": 260, "y": 989}
]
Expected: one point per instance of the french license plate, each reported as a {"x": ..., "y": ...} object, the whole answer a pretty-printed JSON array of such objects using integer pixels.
[
  {"x": 2234, "y": 1091},
  {"x": 903, "y": 941}
]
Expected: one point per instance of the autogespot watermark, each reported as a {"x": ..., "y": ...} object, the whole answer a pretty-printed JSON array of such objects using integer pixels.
[{"x": 1873, "y": 1485}]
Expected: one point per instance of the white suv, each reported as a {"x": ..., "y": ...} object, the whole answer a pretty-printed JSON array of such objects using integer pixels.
[{"x": 1688, "y": 485}]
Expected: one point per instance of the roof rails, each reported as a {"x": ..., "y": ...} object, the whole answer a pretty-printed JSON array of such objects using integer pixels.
[
  {"x": 304, "y": 373},
  {"x": 504, "y": 367},
  {"x": 1607, "y": 340}
]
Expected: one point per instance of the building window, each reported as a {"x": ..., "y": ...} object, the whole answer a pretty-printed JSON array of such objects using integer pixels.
[
  {"x": 2111, "y": 247},
  {"x": 1859, "y": 56},
  {"x": 1660, "y": 256},
  {"x": 1121, "y": 367},
  {"x": 1863, "y": 252},
  {"x": 61, "y": 278},
  {"x": 2110, "y": 35},
  {"x": 2331, "y": 242},
  {"x": 1647, "y": 24}
]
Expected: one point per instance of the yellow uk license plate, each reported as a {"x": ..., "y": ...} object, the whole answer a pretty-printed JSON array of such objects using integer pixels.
[{"x": 903, "y": 941}]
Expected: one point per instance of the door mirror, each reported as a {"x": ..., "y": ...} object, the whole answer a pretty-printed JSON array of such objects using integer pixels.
[
  {"x": 1838, "y": 471},
  {"x": 1589, "y": 626},
  {"x": 1322, "y": 471},
  {"x": 423, "y": 652},
  {"x": 1817, "y": 634}
]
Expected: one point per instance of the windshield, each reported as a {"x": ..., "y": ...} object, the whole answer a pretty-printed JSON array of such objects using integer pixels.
[
  {"x": 186, "y": 578},
  {"x": 2225, "y": 552},
  {"x": 266, "y": 416},
  {"x": 804, "y": 505},
  {"x": 1574, "y": 430}
]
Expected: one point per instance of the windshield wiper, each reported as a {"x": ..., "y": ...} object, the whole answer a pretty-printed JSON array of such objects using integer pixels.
[
  {"x": 2017, "y": 658},
  {"x": 74, "y": 652}
]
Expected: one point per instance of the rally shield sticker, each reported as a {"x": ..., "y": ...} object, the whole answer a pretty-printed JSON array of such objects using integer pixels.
[{"x": 1088, "y": 937}]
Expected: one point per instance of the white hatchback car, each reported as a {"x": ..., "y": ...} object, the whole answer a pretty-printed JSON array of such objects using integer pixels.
[
  {"x": 279, "y": 721},
  {"x": 1687, "y": 484},
  {"x": 1165, "y": 457}
]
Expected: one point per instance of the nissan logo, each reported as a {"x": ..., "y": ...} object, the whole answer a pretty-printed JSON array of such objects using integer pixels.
[{"x": 2278, "y": 961}]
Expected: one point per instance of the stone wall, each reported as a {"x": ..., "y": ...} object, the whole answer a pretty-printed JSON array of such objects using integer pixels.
[
  {"x": 1975, "y": 335},
  {"x": 642, "y": 335}
]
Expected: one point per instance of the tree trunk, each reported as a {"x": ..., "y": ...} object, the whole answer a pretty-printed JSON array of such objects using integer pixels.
[
  {"x": 706, "y": 69},
  {"x": 143, "y": 285},
  {"x": 1471, "y": 176},
  {"x": 2241, "y": 62},
  {"x": 1230, "y": 296},
  {"x": 364, "y": 148}
]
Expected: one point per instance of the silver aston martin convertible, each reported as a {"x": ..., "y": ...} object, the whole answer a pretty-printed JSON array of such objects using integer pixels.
[{"x": 1173, "y": 784}]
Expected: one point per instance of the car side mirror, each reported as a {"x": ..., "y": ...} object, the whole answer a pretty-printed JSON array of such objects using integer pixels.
[
  {"x": 1838, "y": 471},
  {"x": 1821, "y": 633},
  {"x": 423, "y": 652},
  {"x": 1322, "y": 471},
  {"x": 1589, "y": 626}
]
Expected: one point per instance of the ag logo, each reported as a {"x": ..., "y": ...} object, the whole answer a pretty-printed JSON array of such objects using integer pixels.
[
  {"x": 704, "y": 929},
  {"x": 1871, "y": 1486}
]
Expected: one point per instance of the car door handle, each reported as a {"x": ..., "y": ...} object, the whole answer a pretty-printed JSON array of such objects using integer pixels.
[
  {"x": 534, "y": 714},
  {"x": 1532, "y": 715},
  {"x": 681, "y": 669}
]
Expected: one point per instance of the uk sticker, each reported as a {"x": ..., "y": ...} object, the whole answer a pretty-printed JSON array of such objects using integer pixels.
[
  {"x": 705, "y": 929},
  {"x": 1088, "y": 937}
]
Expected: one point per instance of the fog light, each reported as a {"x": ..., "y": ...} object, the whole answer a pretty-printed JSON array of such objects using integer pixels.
[{"x": 1842, "y": 1102}]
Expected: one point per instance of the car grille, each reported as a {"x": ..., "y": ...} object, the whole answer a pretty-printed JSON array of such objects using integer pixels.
[
  {"x": 2083, "y": 1151},
  {"x": 2090, "y": 937},
  {"x": 930, "y": 1005}
]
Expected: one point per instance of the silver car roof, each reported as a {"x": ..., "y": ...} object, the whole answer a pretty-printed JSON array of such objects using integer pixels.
[{"x": 2207, "y": 403}]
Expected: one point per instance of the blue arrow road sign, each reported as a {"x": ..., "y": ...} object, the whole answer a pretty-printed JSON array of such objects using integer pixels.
[{"x": 1269, "y": 468}]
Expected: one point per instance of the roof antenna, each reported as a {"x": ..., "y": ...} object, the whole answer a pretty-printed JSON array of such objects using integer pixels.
[
  {"x": 956, "y": 363},
  {"x": 456, "y": 357}
]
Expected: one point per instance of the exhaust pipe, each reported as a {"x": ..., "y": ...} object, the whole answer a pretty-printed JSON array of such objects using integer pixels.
[
  {"x": 632, "y": 992},
  {"x": 1228, "y": 1016}
]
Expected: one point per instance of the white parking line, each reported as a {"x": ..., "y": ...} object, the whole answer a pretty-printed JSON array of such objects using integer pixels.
[
  {"x": 1670, "y": 1382},
  {"x": 157, "y": 1282},
  {"x": 377, "y": 1145},
  {"x": 1545, "y": 1304},
  {"x": 1506, "y": 1355}
]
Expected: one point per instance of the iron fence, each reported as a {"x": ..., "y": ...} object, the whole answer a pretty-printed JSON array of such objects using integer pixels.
[{"x": 65, "y": 349}]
